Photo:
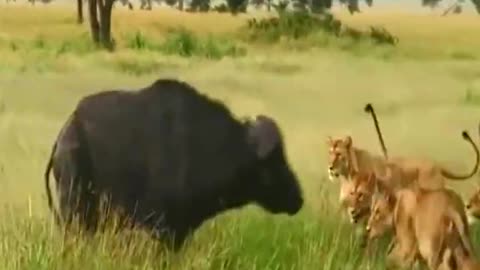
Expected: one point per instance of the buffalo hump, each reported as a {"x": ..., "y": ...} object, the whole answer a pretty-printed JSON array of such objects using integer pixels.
[{"x": 169, "y": 158}]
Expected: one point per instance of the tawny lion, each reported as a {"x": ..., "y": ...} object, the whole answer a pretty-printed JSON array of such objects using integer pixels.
[
  {"x": 456, "y": 254},
  {"x": 426, "y": 223},
  {"x": 356, "y": 196},
  {"x": 345, "y": 160},
  {"x": 473, "y": 205}
]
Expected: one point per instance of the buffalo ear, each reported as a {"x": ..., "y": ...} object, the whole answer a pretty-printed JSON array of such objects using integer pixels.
[{"x": 263, "y": 135}]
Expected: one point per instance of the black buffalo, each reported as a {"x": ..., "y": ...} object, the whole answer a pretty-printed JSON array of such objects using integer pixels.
[{"x": 168, "y": 158}]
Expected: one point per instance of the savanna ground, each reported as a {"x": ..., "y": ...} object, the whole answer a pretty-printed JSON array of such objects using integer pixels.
[{"x": 426, "y": 90}]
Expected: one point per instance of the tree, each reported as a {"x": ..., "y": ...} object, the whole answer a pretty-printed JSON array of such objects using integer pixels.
[
  {"x": 319, "y": 6},
  {"x": 146, "y": 4},
  {"x": 237, "y": 6},
  {"x": 199, "y": 5},
  {"x": 100, "y": 15},
  {"x": 80, "y": 11},
  {"x": 171, "y": 2},
  {"x": 476, "y": 3}
]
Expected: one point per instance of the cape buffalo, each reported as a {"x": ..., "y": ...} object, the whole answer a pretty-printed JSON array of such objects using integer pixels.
[{"x": 168, "y": 158}]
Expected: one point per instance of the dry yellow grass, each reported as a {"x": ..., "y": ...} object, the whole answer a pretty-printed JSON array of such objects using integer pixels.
[
  {"x": 427, "y": 31},
  {"x": 423, "y": 105}
]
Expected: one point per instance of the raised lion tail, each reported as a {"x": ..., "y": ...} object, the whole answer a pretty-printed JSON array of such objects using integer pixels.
[
  {"x": 369, "y": 109},
  {"x": 453, "y": 176}
]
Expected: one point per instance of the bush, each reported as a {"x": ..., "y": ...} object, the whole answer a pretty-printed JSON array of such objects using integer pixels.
[
  {"x": 292, "y": 25},
  {"x": 300, "y": 25},
  {"x": 382, "y": 36},
  {"x": 185, "y": 43}
]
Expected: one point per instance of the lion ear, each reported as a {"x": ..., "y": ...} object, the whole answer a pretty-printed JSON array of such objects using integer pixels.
[
  {"x": 371, "y": 179},
  {"x": 329, "y": 140},
  {"x": 348, "y": 141}
]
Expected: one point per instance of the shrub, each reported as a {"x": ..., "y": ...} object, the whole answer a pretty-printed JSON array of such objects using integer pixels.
[
  {"x": 185, "y": 43},
  {"x": 292, "y": 25},
  {"x": 300, "y": 25},
  {"x": 382, "y": 36}
]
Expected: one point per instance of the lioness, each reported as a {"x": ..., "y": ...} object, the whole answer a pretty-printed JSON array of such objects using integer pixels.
[
  {"x": 456, "y": 255},
  {"x": 358, "y": 199},
  {"x": 391, "y": 211},
  {"x": 345, "y": 160},
  {"x": 433, "y": 210},
  {"x": 473, "y": 205},
  {"x": 417, "y": 217}
]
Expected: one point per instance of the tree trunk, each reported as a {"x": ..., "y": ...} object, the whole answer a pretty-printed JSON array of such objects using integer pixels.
[
  {"x": 105, "y": 8},
  {"x": 180, "y": 5},
  {"x": 100, "y": 15},
  {"x": 80, "y": 11},
  {"x": 269, "y": 5},
  {"x": 94, "y": 25}
]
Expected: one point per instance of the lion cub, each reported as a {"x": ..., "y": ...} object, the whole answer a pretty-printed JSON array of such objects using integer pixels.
[{"x": 417, "y": 217}]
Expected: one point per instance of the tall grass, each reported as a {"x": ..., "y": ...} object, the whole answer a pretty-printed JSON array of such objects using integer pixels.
[{"x": 48, "y": 63}]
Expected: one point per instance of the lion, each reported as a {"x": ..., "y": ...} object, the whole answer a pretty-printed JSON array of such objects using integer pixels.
[
  {"x": 456, "y": 255},
  {"x": 439, "y": 218},
  {"x": 390, "y": 211},
  {"x": 345, "y": 160},
  {"x": 473, "y": 206},
  {"x": 356, "y": 196},
  {"x": 417, "y": 217}
]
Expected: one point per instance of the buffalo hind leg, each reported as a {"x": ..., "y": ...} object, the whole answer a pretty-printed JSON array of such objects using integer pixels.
[{"x": 77, "y": 203}]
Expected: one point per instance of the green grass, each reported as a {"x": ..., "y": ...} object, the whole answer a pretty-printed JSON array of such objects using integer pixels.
[{"x": 424, "y": 95}]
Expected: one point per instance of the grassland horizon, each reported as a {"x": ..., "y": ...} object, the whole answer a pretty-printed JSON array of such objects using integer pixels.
[{"x": 426, "y": 90}]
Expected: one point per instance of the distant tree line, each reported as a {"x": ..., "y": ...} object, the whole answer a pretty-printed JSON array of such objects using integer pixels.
[{"x": 100, "y": 11}]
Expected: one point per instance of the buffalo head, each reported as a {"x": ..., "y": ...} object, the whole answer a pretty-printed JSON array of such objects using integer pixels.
[{"x": 276, "y": 186}]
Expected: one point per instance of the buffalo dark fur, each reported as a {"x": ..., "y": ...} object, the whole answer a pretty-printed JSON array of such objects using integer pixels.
[{"x": 169, "y": 158}]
